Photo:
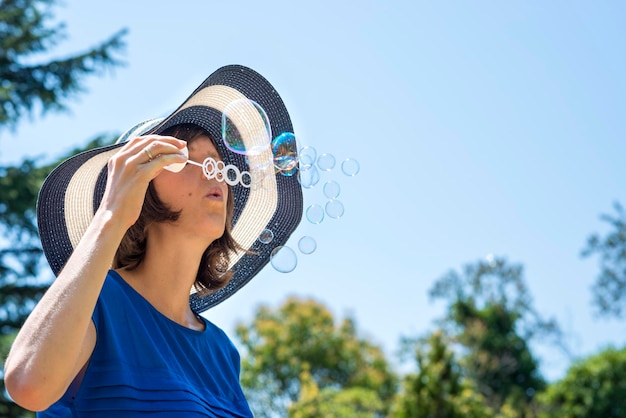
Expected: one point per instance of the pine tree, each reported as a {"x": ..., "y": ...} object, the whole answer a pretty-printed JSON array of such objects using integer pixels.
[
  {"x": 25, "y": 83},
  {"x": 28, "y": 86}
]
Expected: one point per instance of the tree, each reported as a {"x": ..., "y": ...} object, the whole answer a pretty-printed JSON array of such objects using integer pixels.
[
  {"x": 20, "y": 251},
  {"x": 301, "y": 336},
  {"x": 25, "y": 33},
  {"x": 332, "y": 402},
  {"x": 29, "y": 82},
  {"x": 19, "y": 255},
  {"x": 438, "y": 388},
  {"x": 609, "y": 290},
  {"x": 490, "y": 315},
  {"x": 592, "y": 387}
]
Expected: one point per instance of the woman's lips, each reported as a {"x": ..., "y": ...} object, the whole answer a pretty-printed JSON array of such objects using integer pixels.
[{"x": 215, "y": 193}]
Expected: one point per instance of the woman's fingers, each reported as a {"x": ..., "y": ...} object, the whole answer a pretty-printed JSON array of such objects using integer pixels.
[
  {"x": 151, "y": 148},
  {"x": 132, "y": 168}
]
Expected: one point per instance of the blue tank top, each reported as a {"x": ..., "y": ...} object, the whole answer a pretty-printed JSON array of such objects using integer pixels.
[{"x": 145, "y": 364}]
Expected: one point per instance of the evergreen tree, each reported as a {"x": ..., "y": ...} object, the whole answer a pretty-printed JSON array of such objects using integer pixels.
[
  {"x": 19, "y": 256},
  {"x": 26, "y": 85},
  {"x": 26, "y": 32},
  {"x": 21, "y": 283}
]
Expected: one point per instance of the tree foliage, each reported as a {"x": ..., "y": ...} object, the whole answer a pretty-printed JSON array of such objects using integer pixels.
[
  {"x": 31, "y": 80},
  {"x": 334, "y": 402},
  {"x": 609, "y": 290},
  {"x": 21, "y": 283},
  {"x": 593, "y": 387},
  {"x": 27, "y": 33},
  {"x": 438, "y": 388},
  {"x": 490, "y": 315},
  {"x": 20, "y": 253},
  {"x": 301, "y": 335}
]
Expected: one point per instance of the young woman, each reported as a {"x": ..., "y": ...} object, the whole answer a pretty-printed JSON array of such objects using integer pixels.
[{"x": 117, "y": 333}]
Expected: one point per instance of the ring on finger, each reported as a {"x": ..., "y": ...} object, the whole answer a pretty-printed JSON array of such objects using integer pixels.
[{"x": 147, "y": 151}]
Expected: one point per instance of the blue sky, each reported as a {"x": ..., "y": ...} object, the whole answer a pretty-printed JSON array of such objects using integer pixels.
[{"x": 490, "y": 128}]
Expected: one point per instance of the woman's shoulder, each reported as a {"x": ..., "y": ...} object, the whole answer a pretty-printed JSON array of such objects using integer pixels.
[
  {"x": 115, "y": 287},
  {"x": 116, "y": 295}
]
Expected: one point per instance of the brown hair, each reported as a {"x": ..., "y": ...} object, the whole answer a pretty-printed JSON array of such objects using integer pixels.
[{"x": 213, "y": 273}]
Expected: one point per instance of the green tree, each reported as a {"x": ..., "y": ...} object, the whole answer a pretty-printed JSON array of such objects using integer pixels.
[
  {"x": 301, "y": 335},
  {"x": 19, "y": 257},
  {"x": 490, "y": 315},
  {"x": 333, "y": 402},
  {"x": 26, "y": 33},
  {"x": 438, "y": 388},
  {"x": 30, "y": 81},
  {"x": 609, "y": 290},
  {"x": 20, "y": 251},
  {"x": 593, "y": 387}
]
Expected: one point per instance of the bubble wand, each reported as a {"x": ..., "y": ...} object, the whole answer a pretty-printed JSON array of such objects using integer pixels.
[{"x": 213, "y": 169}]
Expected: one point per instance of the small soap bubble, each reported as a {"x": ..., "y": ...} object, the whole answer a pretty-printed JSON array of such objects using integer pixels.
[
  {"x": 283, "y": 259},
  {"x": 260, "y": 179},
  {"x": 307, "y": 156},
  {"x": 285, "y": 153},
  {"x": 350, "y": 167},
  {"x": 258, "y": 163},
  {"x": 307, "y": 245},
  {"x": 315, "y": 214},
  {"x": 334, "y": 208},
  {"x": 266, "y": 236},
  {"x": 326, "y": 162},
  {"x": 332, "y": 189},
  {"x": 308, "y": 176},
  {"x": 245, "y": 127}
]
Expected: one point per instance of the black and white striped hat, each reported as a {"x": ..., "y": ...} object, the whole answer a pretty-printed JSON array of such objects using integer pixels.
[{"x": 71, "y": 194}]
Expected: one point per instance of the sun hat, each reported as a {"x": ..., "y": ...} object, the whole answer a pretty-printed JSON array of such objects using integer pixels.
[{"x": 252, "y": 130}]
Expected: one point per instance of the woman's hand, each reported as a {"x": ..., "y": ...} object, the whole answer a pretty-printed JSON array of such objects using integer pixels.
[{"x": 131, "y": 170}]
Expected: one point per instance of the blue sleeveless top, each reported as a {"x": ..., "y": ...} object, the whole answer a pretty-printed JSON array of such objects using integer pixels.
[{"x": 145, "y": 364}]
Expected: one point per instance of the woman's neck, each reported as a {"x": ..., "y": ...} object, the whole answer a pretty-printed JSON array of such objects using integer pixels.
[{"x": 165, "y": 277}]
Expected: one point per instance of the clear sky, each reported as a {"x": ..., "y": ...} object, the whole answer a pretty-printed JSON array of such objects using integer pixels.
[{"x": 480, "y": 127}]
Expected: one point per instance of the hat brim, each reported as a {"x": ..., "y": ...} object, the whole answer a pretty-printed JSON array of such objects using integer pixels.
[{"x": 72, "y": 193}]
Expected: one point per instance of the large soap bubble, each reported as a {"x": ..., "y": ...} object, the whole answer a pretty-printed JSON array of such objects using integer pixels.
[
  {"x": 245, "y": 127},
  {"x": 283, "y": 259}
]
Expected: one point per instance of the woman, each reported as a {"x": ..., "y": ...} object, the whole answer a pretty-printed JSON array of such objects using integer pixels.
[{"x": 117, "y": 333}]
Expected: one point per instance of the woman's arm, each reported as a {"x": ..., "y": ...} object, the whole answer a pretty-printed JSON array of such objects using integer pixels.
[{"x": 58, "y": 337}]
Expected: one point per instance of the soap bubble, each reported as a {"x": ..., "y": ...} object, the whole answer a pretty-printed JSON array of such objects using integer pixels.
[
  {"x": 326, "y": 162},
  {"x": 334, "y": 208},
  {"x": 260, "y": 162},
  {"x": 332, "y": 189},
  {"x": 307, "y": 245},
  {"x": 283, "y": 259},
  {"x": 285, "y": 153},
  {"x": 259, "y": 179},
  {"x": 307, "y": 156},
  {"x": 266, "y": 236},
  {"x": 315, "y": 214},
  {"x": 245, "y": 127},
  {"x": 308, "y": 176},
  {"x": 350, "y": 167}
]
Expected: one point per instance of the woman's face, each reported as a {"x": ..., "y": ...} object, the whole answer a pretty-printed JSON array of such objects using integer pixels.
[{"x": 202, "y": 202}]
